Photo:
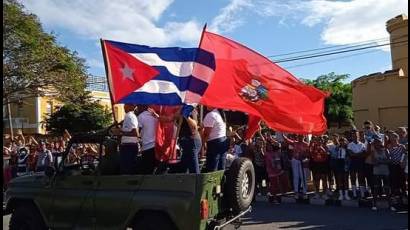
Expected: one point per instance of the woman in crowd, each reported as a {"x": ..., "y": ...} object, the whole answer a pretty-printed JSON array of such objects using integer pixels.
[
  {"x": 381, "y": 160},
  {"x": 397, "y": 178},
  {"x": 340, "y": 169},
  {"x": 215, "y": 141},
  {"x": 319, "y": 165}
]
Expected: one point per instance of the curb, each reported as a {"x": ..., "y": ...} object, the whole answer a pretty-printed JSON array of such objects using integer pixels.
[{"x": 285, "y": 199}]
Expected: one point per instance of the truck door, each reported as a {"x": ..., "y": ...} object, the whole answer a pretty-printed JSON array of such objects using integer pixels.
[{"x": 74, "y": 193}]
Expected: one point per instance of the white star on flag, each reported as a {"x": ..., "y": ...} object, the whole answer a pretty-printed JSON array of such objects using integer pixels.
[{"x": 127, "y": 72}]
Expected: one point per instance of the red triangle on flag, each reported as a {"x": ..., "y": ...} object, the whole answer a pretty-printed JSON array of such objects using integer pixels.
[{"x": 126, "y": 73}]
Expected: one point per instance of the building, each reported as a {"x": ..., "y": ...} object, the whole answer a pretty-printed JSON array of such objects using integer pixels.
[
  {"x": 382, "y": 97},
  {"x": 29, "y": 115}
]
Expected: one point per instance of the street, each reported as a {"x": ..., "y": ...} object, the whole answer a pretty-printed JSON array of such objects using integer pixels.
[{"x": 299, "y": 216}]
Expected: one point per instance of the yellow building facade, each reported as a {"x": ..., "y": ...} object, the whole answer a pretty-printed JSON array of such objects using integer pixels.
[
  {"x": 383, "y": 97},
  {"x": 29, "y": 115}
]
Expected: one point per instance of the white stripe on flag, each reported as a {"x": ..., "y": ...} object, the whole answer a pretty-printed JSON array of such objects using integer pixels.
[
  {"x": 158, "y": 86},
  {"x": 178, "y": 69}
]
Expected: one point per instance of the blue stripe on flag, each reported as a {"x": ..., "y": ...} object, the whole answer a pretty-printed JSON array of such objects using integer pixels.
[
  {"x": 176, "y": 54},
  {"x": 190, "y": 83},
  {"x": 152, "y": 98}
]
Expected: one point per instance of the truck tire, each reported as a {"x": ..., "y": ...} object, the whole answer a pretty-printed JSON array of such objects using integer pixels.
[
  {"x": 153, "y": 221},
  {"x": 26, "y": 217},
  {"x": 240, "y": 184}
]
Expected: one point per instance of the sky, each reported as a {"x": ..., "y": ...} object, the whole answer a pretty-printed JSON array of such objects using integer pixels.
[{"x": 271, "y": 27}]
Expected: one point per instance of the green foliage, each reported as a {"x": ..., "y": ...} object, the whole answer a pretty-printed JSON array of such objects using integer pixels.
[
  {"x": 338, "y": 107},
  {"x": 33, "y": 62},
  {"x": 85, "y": 117}
]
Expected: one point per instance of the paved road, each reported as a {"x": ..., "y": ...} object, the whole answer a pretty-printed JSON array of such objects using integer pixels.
[
  {"x": 298, "y": 216},
  {"x": 267, "y": 216}
]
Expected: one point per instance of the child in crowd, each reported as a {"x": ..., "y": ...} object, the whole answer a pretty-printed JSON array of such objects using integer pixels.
[
  {"x": 319, "y": 166},
  {"x": 340, "y": 170},
  {"x": 278, "y": 180}
]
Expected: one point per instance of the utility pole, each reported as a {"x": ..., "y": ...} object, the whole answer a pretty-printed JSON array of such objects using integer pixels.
[{"x": 9, "y": 118}]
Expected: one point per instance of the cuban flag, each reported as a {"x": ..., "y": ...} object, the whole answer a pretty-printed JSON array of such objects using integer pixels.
[{"x": 158, "y": 76}]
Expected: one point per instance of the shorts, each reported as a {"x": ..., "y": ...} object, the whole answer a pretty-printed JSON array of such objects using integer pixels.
[{"x": 319, "y": 167}]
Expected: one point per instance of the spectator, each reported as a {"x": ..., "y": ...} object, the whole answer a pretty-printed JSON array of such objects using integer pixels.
[
  {"x": 381, "y": 183},
  {"x": 356, "y": 152},
  {"x": 405, "y": 165},
  {"x": 403, "y": 135},
  {"x": 299, "y": 162},
  {"x": 259, "y": 163},
  {"x": 22, "y": 162},
  {"x": 278, "y": 180},
  {"x": 397, "y": 177},
  {"x": 44, "y": 158},
  {"x": 214, "y": 141},
  {"x": 340, "y": 169},
  {"x": 332, "y": 149},
  {"x": 319, "y": 166}
]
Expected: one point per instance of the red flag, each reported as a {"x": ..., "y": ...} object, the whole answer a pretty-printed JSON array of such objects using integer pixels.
[
  {"x": 165, "y": 142},
  {"x": 249, "y": 82},
  {"x": 125, "y": 72},
  {"x": 253, "y": 126}
]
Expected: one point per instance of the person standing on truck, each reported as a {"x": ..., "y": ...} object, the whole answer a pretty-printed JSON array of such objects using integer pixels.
[
  {"x": 190, "y": 143},
  {"x": 129, "y": 141},
  {"x": 215, "y": 142},
  {"x": 147, "y": 122}
]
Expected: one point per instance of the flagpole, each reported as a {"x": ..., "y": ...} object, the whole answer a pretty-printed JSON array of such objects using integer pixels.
[
  {"x": 108, "y": 75},
  {"x": 201, "y": 107}
]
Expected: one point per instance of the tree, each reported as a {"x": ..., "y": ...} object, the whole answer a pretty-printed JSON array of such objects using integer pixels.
[
  {"x": 33, "y": 62},
  {"x": 338, "y": 107},
  {"x": 85, "y": 117}
]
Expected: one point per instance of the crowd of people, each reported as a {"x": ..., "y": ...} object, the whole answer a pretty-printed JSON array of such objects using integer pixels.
[{"x": 352, "y": 165}]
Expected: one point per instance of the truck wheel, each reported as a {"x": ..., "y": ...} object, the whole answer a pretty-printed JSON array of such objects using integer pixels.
[
  {"x": 26, "y": 217},
  {"x": 240, "y": 184},
  {"x": 153, "y": 221}
]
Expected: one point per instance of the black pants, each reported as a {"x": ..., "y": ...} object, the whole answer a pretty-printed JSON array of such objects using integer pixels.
[
  {"x": 128, "y": 159},
  {"x": 397, "y": 179},
  {"x": 368, "y": 174},
  {"x": 147, "y": 162}
]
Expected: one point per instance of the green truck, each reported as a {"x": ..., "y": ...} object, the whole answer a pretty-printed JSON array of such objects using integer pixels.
[{"x": 88, "y": 195}]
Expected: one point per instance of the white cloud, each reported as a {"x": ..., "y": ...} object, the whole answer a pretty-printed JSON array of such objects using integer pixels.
[
  {"x": 343, "y": 22},
  {"x": 229, "y": 18},
  {"x": 122, "y": 20},
  {"x": 96, "y": 63},
  {"x": 352, "y": 21}
]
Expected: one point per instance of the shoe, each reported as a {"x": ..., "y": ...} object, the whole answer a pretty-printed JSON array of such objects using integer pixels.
[
  {"x": 259, "y": 194},
  {"x": 325, "y": 197},
  {"x": 374, "y": 208},
  {"x": 317, "y": 196},
  {"x": 347, "y": 197},
  {"x": 268, "y": 194},
  {"x": 340, "y": 197},
  {"x": 296, "y": 196},
  {"x": 305, "y": 197},
  {"x": 393, "y": 209}
]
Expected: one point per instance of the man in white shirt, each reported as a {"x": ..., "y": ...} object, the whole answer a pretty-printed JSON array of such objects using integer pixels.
[
  {"x": 129, "y": 141},
  {"x": 147, "y": 122},
  {"x": 215, "y": 141},
  {"x": 357, "y": 151}
]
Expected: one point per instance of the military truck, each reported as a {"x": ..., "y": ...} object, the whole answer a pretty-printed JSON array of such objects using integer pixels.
[{"x": 90, "y": 194}]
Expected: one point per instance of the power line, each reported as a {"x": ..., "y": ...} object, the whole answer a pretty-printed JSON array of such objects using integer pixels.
[
  {"x": 351, "y": 45},
  {"x": 331, "y": 47},
  {"x": 331, "y": 59},
  {"x": 333, "y": 53}
]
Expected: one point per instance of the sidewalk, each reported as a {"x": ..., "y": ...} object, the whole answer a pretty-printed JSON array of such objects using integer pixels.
[{"x": 289, "y": 198}]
